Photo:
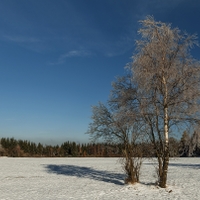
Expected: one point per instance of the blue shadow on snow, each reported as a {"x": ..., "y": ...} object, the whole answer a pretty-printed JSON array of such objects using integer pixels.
[
  {"x": 193, "y": 166},
  {"x": 86, "y": 172}
]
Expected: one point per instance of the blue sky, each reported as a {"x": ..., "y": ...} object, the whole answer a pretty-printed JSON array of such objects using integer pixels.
[{"x": 59, "y": 57}]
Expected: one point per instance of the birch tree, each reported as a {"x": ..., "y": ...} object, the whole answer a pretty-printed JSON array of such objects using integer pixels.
[
  {"x": 167, "y": 79},
  {"x": 162, "y": 92}
]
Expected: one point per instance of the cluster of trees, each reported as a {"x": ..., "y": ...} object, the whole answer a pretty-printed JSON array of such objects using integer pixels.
[
  {"x": 190, "y": 145},
  {"x": 159, "y": 95},
  {"x": 187, "y": 146},
  {"x": 23, "y": 148}
]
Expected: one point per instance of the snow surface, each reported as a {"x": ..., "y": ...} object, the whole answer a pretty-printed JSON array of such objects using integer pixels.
[{"x": 93, "y": 178}]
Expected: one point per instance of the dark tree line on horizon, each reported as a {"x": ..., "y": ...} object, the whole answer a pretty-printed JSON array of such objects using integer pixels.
[
  {"x": 187, "y": 146},
  {"x": 23, "y": 148}
]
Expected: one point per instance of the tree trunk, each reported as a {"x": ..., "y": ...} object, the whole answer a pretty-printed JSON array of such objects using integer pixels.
[
  {"x": 159, "y": 172},
  {"x": 132, "y": 164},
  {"x": 163, "y": 178}
]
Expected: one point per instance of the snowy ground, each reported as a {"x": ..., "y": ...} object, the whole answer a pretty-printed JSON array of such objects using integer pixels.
[{"x": 93, "y": 178}]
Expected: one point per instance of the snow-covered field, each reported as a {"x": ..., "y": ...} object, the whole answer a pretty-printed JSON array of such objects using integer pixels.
[{"x": 93, "y": 178}]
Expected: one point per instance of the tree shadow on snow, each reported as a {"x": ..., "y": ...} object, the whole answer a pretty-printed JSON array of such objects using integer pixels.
[
  {"x": 86, "y": 172},
  {"x": 193, "y": 166}
]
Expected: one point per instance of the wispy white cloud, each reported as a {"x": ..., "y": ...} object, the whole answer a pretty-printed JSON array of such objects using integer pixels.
[{"x": 74, "y": 53}]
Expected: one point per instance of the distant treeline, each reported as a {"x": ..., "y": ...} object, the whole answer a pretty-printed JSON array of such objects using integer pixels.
[
  {"x": 23, "y": 148},
  {"x": 186, "y": 146}
]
